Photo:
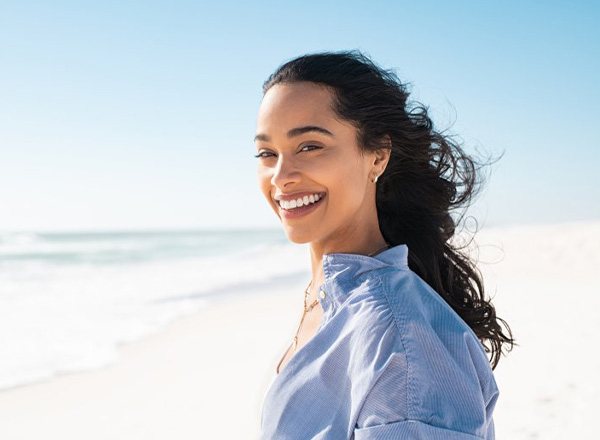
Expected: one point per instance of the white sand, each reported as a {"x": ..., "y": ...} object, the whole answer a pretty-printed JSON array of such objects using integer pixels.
[
  {"x": 548, "y": 288},
  {"x": 205, "y": 376}
]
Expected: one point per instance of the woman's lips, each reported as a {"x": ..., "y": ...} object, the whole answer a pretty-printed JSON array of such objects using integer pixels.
[{"x": 302, "y": 211}]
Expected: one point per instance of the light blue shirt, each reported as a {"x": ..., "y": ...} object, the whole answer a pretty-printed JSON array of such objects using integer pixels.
[{"x": 390, "y": 360}]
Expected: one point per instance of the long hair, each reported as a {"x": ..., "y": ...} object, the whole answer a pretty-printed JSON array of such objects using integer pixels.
[{"x": 427, "y": 178}]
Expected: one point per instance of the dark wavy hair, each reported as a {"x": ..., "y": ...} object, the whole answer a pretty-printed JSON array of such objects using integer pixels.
[{"x": 428, "y": 177}]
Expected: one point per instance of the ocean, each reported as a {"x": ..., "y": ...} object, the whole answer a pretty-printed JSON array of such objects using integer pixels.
[{"x": 67, "y": 300}]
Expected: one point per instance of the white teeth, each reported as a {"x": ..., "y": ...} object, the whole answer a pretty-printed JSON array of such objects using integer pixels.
[{"x": 306, "y": 200}]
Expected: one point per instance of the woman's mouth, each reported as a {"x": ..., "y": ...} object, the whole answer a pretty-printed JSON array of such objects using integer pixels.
[{"x": 301, "y": 206}]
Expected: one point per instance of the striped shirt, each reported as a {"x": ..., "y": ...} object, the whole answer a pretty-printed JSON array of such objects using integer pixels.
[{"x": 390, "y": 360}]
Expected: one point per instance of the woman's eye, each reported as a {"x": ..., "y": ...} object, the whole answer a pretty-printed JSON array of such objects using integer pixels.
[
  {"x": 261, "y": 154},
  {"x": 310, "y": 146},
  {"x": 264, "y": 154}
]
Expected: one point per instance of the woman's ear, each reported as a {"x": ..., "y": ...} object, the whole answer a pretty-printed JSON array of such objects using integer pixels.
[{"x": 382, "y": 155}]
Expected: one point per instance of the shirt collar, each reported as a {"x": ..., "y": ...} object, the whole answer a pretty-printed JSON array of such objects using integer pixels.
[{"x": 343, "y": 272}]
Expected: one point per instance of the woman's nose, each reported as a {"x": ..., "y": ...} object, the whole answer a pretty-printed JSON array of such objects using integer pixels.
[{"x": 285, "y": 172}]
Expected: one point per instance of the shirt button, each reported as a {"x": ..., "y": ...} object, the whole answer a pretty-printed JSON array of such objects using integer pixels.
[{"x": 322, "y": 294}]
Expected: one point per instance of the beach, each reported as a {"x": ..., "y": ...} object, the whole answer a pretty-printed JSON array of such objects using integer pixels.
[
  {"x": 201, "y": 377},
  {"x": 204, "y": 374}
]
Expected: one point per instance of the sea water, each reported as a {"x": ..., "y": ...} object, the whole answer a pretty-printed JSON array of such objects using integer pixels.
[{"x": 68, "y": 299}]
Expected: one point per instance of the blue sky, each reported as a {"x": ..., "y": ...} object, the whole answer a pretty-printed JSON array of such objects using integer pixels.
[{"x": 141, "y": 115}]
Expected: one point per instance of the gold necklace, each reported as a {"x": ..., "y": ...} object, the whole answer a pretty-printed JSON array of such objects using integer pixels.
[{"x": 307, "y": 309}]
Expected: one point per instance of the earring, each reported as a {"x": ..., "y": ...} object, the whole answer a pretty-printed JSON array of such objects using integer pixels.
[{"x": 375, "y": 179}]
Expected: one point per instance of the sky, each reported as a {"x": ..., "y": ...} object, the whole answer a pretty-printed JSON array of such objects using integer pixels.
[{"x": 141, "y": 114}]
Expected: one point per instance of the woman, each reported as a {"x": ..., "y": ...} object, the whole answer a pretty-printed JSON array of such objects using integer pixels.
[{"x": 393, "y": 338}]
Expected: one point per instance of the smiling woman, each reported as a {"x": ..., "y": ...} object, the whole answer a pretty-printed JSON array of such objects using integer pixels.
[
  {"x": 393, "y": 338},
  {"x": 305, "y": 149}
]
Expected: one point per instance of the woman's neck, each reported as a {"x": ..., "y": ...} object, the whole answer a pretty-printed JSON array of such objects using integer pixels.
[{"x": 365, "y": 244}]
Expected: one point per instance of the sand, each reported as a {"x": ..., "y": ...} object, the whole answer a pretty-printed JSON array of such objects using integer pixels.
[{"x": 203, "y": 377}]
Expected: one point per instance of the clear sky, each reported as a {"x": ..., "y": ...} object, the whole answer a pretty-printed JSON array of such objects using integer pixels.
[{"x": 141, "y": 114}]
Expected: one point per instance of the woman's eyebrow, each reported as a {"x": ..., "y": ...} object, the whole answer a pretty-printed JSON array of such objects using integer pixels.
[{"x": 296, "y": 132}]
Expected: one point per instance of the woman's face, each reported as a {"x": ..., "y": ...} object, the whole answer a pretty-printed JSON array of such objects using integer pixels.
[{"x": 297, "y": 162}]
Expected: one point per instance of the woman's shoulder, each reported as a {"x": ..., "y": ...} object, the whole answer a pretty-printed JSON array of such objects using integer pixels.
[
  {"x": 398, "y": 301},
  {"x": 421, "y": 312},
  {"x": 396, "y": 314},
  {"x": 431, "y": 362},
  {"x": 430, "y": 329},
  {"x": 411, "y": 324}
]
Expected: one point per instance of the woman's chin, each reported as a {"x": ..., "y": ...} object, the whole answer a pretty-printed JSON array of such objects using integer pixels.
[{"x": 295, "y": 235}]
